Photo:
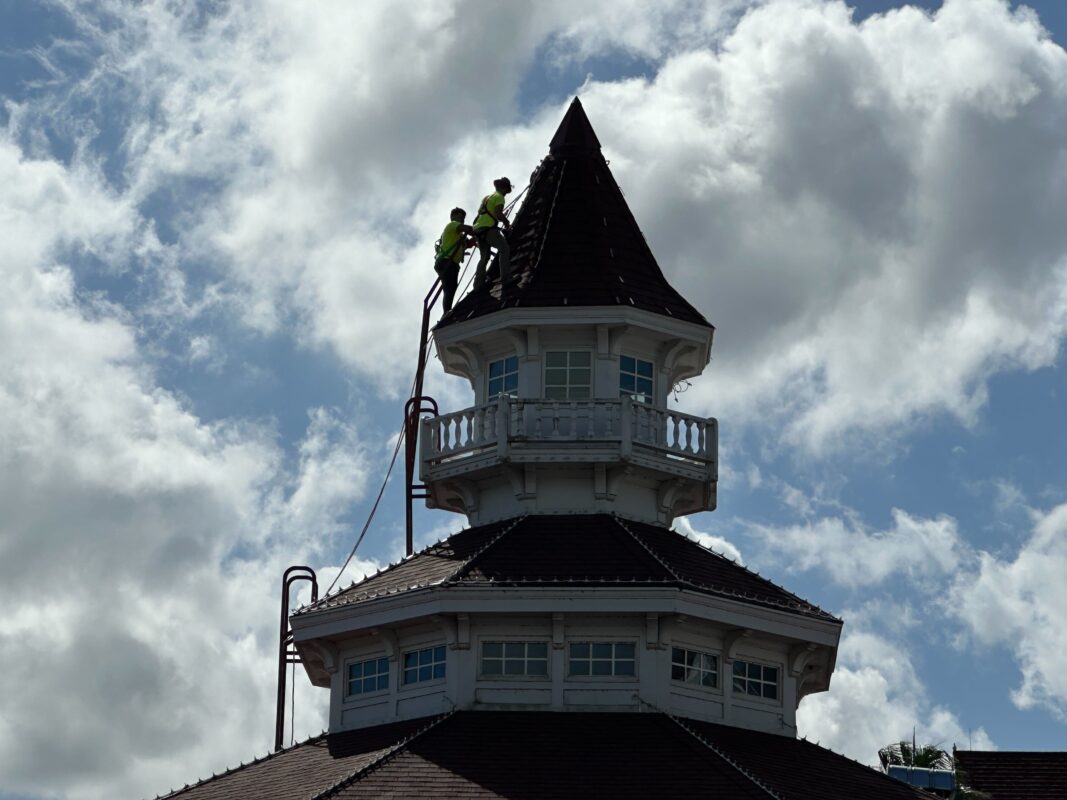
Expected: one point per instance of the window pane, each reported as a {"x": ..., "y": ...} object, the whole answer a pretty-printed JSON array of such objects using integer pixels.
[
  {"x": 579, "y": 668},
  {"x": 515, "y": 650},
  {"x": 410, "y": 676},
  {"x": 439, "y": 653},
  {"x": 555, "y": 377},
  {"x": 626, "y": 363},
  {"x": 755, "y": 671},
  {"x": 356, "y": 670},
  {"x": 383, "y": 681},
  {"x": 370, "y": 684},
  {"x": 739, "y": 668},
  {"x": 624, "y": 668},
  {"x": 677, "y": 655},
  {"x": 739, "y": 686},
  {"x": 644, "y": 385},
  {"x": 411, "y": 660},
  {"x": 770, "y": 674},
  {"x": 580, "y": 377},
  {"x": 439, "y": 670},
  {"x": 644, "y": 368},
  {"x": 492, "y": 666},
  {"x": 626, "y": 382},
  {"x": 555, "y": 359},
  {"x": 580, "y": 650},
  {"x": 579, "y": 393},
  {"x": 580, "y": 358},
  {"x": 513, "y": 667},
  {"x": 753, "y": 689},
  {"x": 677, "y": 672},
  {"x": 493, "y": 649},
  {"x": 511, "y": 364},
  {"x": 708, "y": 679},
  {"x": 511, "y": 382},
  {"x": 537, "y": 649},
  {"x": 624, "y": 650},
  {"x": 495, "y": 387},
  {"x": 496, "y": 369},
  {"x": 556, "y": 392},
  {"x": 425, "y": 673},
  {"x": 601, "y": 667},
  {"x": 770, "y": 690},
  {"x": 602, "y": 650},
  {"x": 537, "y": 666}
]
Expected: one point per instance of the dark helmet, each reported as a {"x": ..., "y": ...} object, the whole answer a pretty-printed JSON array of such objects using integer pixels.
[
  {"x": 502, "y": 185},
  {"x": 457, "y": 212}
]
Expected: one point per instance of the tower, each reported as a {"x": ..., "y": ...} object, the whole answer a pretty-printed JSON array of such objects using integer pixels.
[{"x": 568, "y": 642}]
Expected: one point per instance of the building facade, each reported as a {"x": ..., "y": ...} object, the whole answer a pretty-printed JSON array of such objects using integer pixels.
[{"x": 567, "y": 642}]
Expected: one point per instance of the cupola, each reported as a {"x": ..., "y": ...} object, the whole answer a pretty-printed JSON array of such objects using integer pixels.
[{"x": 572, "y": 371}]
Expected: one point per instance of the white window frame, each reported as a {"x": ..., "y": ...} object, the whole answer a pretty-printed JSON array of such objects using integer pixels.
[
  {"x": 568, "y": 386},
  {"x": 613, "y": 659},
  {"x": 504, "y": 373},
  {"x": 761, "y": 681},
  {"x": 640, "y": 397},
  {"x": 432, "y": 648},
  {"x": 526, "y": 658},
  {"x": 349, "y": 694},
  {"x": 699, "y": 669}
]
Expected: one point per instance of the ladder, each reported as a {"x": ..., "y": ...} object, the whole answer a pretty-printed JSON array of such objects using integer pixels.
[{"x": 415, "y": 407}]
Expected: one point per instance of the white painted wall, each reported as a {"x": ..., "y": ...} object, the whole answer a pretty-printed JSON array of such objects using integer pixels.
[{"x": 465, "y": 688}]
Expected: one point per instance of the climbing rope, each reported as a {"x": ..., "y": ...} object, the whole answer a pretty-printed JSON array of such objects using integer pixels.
[{"x": 400, "y": 438}]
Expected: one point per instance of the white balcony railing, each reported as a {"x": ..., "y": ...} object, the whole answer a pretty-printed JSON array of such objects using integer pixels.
[{"x": 509, "y": 427}]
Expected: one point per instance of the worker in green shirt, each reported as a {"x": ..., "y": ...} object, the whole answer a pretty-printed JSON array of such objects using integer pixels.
[
  {"x": 451, "y": 247},
  {"x": 486, "y": 231}
]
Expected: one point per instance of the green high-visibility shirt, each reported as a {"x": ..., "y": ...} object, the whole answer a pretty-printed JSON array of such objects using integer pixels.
[
  {"x": 451, "y": 246},
  {"x": 494, "y": 202}
]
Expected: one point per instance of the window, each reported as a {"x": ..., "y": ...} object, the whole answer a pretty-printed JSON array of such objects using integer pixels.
[
  {"x": 424, "y": 665},
  {"x": 368, "y": 676},
  {"x": 692, "y": 666},
  {"x": 635, "y": 378},
  {"x": 568, "y": 375},
  {"x": 505, "y": 659},
  {"x": 503, "y": 376},
  {"x": 602, "y": 658},
  {"x": 755, "y": 680}
]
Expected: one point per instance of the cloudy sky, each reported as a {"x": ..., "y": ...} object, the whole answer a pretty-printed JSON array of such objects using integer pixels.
[{"x": 216, "y": 223}]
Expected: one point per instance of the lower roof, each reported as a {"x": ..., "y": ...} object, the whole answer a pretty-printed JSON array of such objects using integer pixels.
[
  {"x": 1015, "y": 775},
  {"x": 581, "y": 550},
  {"x": 546, "y": 755}
]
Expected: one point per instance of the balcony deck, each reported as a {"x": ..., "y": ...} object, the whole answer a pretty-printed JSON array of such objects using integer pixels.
[{"x": 517, "y": 431}]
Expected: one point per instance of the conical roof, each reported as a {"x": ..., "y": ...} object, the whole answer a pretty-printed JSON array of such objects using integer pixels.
[{"x": 575, "y": 242}]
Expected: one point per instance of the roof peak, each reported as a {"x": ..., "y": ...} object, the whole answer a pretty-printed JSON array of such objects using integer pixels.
[{"x": 575, "y": 134}]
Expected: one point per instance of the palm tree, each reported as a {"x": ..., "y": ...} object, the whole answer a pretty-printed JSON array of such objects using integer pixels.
[
  {"x": 928, "y": 756},
  {"x": 909, "y": 754}
]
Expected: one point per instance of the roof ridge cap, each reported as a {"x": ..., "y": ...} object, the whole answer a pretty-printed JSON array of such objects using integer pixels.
[
  {"x": 755, "y": 574},
  {"x": 466, "y": 566},
  {"x": 242, "y": 766},
  {"x": 735, "y": 765},
  {"x": 381, "y": 760},
  {"x": 648, "y": 549}
]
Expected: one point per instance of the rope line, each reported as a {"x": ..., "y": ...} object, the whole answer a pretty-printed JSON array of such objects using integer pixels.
[
  {"x": 403, "y": 428},
  {"x": 374, "y": 509}
]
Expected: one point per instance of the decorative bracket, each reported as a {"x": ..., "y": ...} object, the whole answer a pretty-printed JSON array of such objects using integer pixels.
[
  {"x": 557, "y": 631},
  {"x": 327, "y": 653},
  {"x": 731, "y": 640},
  {"x": 652, "y": 629},
  {"x": 388, "y": 638}
]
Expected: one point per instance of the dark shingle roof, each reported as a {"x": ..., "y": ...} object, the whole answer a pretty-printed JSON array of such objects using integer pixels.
[
  {"x": 575, "y": 241},
  {"x": 547, "y": 755},
  {"x": 575, "y": 550},
  {"x": 1014, "y": 775}
]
